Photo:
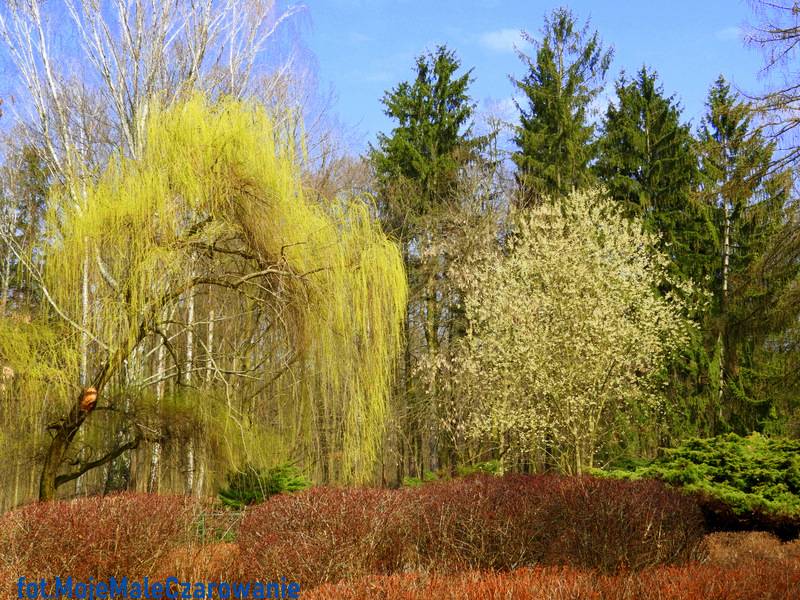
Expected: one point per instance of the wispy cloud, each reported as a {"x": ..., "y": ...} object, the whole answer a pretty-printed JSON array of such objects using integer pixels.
[
  {"x": 502, "y": 40},
  {"x": 729, "y": 33}
]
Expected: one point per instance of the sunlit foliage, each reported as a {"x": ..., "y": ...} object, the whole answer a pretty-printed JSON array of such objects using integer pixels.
[
  {"x": 567, "y": 331},
  {"x": 214, "y": 205}
]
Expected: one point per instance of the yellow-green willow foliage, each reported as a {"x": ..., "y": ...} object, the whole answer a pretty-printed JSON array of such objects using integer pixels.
[
  {"x": 215, "y": 204},
  {"x": 567, "y": 333}
]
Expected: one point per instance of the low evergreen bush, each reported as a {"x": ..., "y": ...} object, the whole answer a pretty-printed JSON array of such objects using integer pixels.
[
  {"x": 742, "y": 483},
  {"x": 251, "y": 485}
]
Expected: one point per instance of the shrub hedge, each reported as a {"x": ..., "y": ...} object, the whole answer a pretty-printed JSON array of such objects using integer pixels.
[
  {"x": 328, "y": 534},
  {"x": 118, "y": 535},
  {"x": 480, "y": 522},
  {"x": 768, "y": 580}
]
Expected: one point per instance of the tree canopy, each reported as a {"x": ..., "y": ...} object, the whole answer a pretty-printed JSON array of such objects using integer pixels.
[
  {"x": 554, "y": 137},
  {"x": 418, "y": 165},
  {"x": 648, "y": 161},
  {"x": 567, "y": 333},
  {"x": 215, "y": 201}
]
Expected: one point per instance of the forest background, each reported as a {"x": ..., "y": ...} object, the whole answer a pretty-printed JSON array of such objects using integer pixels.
[{"x": 183, "y": 229}]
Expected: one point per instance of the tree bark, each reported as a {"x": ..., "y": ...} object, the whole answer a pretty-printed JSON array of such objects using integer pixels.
[
  {"x": 721, "y": 340},
  {"x": 67, "y": 429},
  {"x": 190, "y": 450},
  {"x": 155, "y": 456},
  {"x": 57, "y": 450}
]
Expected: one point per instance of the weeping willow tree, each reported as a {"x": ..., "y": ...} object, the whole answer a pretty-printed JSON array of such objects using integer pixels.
[{"x": 309, "y": 299}]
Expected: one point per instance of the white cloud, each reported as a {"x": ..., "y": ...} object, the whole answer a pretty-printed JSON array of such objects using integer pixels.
[
  {"x": 729, "y": 33},
  {"x": 502, "y": 40}
]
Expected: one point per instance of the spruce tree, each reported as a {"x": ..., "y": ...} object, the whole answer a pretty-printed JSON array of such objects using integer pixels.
[
  {"x": 554, "y": 137},
  {"x": 417, "y": 165},
  {"x": 750, "y": 199},
  {"x": 648, "y": 162},
  {"x": 418, "y": 168}
]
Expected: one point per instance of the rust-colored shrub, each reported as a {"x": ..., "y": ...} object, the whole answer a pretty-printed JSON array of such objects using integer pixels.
[
  {"x": 611, "y": 524},
  {"x": 771, "y": 580},
  {"x": 481, "y": 522},
  {"x": 118, "y": 535},
  {"x": 736, "y": 548},
  {"x": 8, "y": 581},
  {"x": 324, "y": 534},
  {"x": 200, "y": 562}
]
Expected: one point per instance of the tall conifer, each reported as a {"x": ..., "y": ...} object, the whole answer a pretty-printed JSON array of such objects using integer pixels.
[
  {"x": 648, "y": 161},
  {"x": 554, "y": 137}
]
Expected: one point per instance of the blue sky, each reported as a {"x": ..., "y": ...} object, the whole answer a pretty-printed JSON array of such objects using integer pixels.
[{"x": 364, "y": 47}]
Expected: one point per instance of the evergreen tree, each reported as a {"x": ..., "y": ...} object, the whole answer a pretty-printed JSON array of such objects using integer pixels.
[
  {"x": 417, "y": 166},
  {"x": 554, "y": 137},
  {"x": 420, "y": 169},
  {"x": 648, "y": 162},
  {"x": 737, "y": 179}
]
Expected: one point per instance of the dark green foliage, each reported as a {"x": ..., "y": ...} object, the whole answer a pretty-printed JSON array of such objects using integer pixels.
[
  {"x": 749, "y": 371},
  {"x": 754, "y": 473},
  {"x": 735, "y": 173},
  {"x": 554, "y": 136},
  {"x": 490, "y": 467},
  {"x": 417, "y": 165},
  {"x": 427, "y": 477},
  {"x": 423, "y": 168},
  {"x": 648, "y": 162},
  {"x": 252, "y": 485}
]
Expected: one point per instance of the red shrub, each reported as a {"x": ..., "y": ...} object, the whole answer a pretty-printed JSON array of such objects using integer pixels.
[
  {"x": 483, "y": 522},
  {"x": 324, "y": 534},
  {"x": 125, "y": 534},
  {"x": 764, "y": 581},
  {"x": 610, "y": 524}
]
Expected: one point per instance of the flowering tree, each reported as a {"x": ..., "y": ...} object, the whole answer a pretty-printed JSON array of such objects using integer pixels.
[{"x": 567, "y": 330}]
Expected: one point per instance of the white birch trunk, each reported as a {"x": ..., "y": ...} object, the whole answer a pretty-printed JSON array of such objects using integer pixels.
[
  {"x": 190, "y": 450},
  {"x": 210, "y": 345},
  {"x": 155, "y": 455},
  {"x": 726, "y": 254}
]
